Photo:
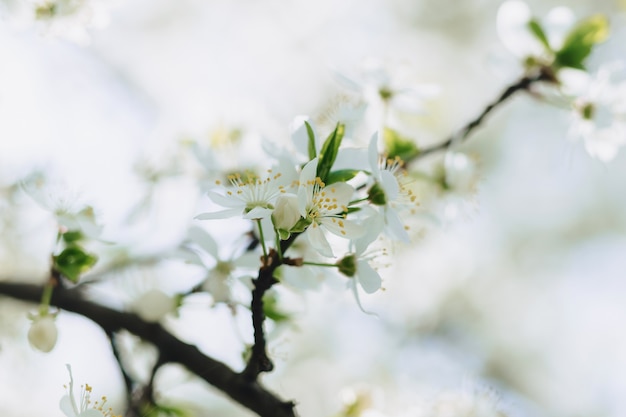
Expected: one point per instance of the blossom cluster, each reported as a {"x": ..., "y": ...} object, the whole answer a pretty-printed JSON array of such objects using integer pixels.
[{"x": 355, "y": 195}]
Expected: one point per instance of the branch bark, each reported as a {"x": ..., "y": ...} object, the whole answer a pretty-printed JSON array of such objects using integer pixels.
[
  {"x": 249, "y": 393},
  {"x": 523, "y": 84}
]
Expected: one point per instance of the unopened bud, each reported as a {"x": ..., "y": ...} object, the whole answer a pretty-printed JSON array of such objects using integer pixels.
[{"x": 43, "y": 333}]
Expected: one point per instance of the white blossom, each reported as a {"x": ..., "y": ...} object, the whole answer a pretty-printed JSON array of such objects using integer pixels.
[
  {"x": 85, "y": 407},
  {"x": 325, "y": 207}
]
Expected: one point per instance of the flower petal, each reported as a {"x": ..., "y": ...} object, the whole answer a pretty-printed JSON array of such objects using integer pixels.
[
  {"x": 224, "y": 214},
  {"x": 318, "y": 240},
  {"x": 390, "y": 185},
  {"x": 395, "y": 228},
  {"x": 340, "y": 194},
  {"x": 230, "y": 201},
  {"x": 512, "y": 25},
  {"x": 372, "y": 155},
  {"x": 342, "y": 228},
  {"x": 367, "y": 277},
  {"x": 203, "y": 239},
  {"x": 258, "y": 213},
  {"x": 67, "y": 407}
]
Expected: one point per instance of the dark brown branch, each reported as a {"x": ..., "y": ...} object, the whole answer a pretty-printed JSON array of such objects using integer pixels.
[
  {"x": 259, "y": 359},
  {"x": 523, "y": 84},
  {"x": 248, "y": 393}
]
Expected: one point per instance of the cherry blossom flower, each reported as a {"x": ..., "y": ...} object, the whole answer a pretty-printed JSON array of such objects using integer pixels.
[
  {"x": 390, "y": 191},
  {"x": 325, "y": 207},
  {"x": 599, "y": 110},
  {"x": 513, "y": 25},
  {"x": 85, "y": 407},
  {"x": 249, "y": 196}
]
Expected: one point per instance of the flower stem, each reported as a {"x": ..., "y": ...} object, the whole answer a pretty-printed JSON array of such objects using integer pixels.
[
  {"x": 278, "y": 248},
  {"x": 319, "y": 264},
  {"x": 46, "y": 296},
  {"x": 262, "y": 239}
]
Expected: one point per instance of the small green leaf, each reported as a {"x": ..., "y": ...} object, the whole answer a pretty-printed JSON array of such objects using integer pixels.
[
  {"x": 341, "y": 175},
  {"x": 73, "y": 262},
  {"x": 537, "y": 30},
  {"x": 271, "y": 309},
  {"x": 72, "y": 236},
  {"x": 329, "y": 152},
  {"x": 311, "y": 135},
  {"x": 301, "y": 225},
  {"x": 160, "y": 410},
  {"x": 581, "y": 40},
  {"x": 398, "y": 145}
]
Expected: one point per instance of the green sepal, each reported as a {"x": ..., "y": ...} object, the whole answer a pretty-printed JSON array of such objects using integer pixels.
[
  {"x": 301, "y": 225},
  {"x": 341, "y": 175},
  {"x": 160, "y": 410},
  {"x": 581, "y": 40},
  {"x": 539, "y": 33},
  {"x": 72, "y": 236},
  {"x": 376, "y": 195},
  {"x": 283, "y": 234},
  {"x": 347, "y": 265},
  {"x": 271, "y": 309},
  {"x": 329, "y": 152},
  {"x": 398, "y": 145},
  {"x": 73, "y": 262},
  {"x": 311, "y": 142}
]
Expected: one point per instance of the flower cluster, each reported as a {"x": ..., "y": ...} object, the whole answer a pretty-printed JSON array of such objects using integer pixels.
[{"x": 325, "y": 202}]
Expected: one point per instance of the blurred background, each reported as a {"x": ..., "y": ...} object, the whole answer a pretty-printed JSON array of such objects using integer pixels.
[{"x": 511, "y": 294}]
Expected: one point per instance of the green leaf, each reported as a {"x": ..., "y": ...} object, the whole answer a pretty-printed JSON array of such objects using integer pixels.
[
  {"x": 311, "y": 135},
  {"x": 72, "y": 236},
  {"x": 271, "y": 309},
  {"x": 160, "y": 410},
  {"x": 329, "y": 152},
  {"x": 73, "y": 262},
  {"x": 398, "y": 145},
  {"x": 341, "y": 175},
  {"x": 581, "y": 40},
  {"x": 537, "y": 30}
]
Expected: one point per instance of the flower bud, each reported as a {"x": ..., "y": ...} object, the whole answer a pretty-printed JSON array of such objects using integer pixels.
[
  {"x": 43, "y": 333},
  {"x": 286, "y": 214}
]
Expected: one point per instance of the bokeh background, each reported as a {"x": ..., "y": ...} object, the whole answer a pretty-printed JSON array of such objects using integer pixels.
[{"x": 514, "y": 292}]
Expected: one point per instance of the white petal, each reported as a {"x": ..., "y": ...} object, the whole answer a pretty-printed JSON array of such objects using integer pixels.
[
  {"x": 390, "y": 185},
  {"x": 318, "y": 240},
  {"x": 512, "y": 24},
  {"x": 341, "y": 193},
  {"x": 558, "y": 22},
  {"x": 372, "y": 155},
  {"x": 224, "y": 214},
  {"x": 225, "y": 200},
  {"x": 375, "y": 225},
  {"x": 67, "y": 406},
  {"x": 368, "y": 277},
  {"x": 91, "y": 413},
  {"x": 309, "y": 172},
  {"x": 300, "y": 136},
  {"x": 395, "y": 228},
  {"x": 343, "y": 228},
  {"x": 247, "y": 260},
  {"x": 203, "y": 239},
  {"x": 258, "y": 213}
]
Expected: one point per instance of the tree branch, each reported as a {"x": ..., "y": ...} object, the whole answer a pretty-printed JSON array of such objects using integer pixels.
[
  {"x": 523, "y": 84},
  {"x": 248, "y": 393}
]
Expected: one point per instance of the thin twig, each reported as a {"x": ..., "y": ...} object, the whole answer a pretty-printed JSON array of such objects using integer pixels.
[{"x": 523, "y": 84}]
